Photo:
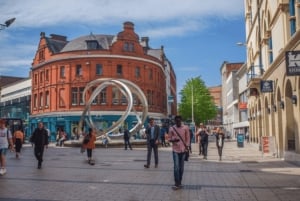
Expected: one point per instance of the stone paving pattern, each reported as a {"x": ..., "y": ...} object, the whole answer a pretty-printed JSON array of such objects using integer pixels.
[{"x": 242, "y": 175}]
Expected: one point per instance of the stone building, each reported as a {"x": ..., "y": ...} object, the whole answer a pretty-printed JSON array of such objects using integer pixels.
[
  {"x": 273, "y": 69},
  {"x": 61, "y": 69},
  {"x": 230, "y": 96}
]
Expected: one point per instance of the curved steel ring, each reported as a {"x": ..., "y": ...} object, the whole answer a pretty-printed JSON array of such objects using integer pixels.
[{"x": 127, "y": 88}]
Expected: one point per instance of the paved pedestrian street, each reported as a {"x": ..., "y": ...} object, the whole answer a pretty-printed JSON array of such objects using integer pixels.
[{"x": 119, "y": 175}]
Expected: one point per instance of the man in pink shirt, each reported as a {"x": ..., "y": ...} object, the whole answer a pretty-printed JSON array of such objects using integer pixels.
[{"x": 180, "y": 137}]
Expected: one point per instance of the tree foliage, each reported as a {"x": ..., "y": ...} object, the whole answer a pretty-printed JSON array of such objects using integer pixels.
[{"x": 195, "y": 96}]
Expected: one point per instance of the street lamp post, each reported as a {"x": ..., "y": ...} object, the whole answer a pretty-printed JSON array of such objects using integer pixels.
[
  {"x": 192, "y": 103},
  {"x": 7, "y": 23}
]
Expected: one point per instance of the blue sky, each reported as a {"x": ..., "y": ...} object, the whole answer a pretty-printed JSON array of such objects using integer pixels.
[{"x": 197, "y": 35}]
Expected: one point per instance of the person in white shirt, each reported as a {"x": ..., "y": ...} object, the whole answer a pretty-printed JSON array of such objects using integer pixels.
[{"x": 5, "y": 142}]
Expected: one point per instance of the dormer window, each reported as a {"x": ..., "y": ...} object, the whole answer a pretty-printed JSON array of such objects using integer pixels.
[
  {"x": 128, "y": 47},
  {"x": 92, "y": 44}
]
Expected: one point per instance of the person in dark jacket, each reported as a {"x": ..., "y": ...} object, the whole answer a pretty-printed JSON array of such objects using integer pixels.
[
  {"x": 127, "y": 139},
  {"x": 152, "y": 133},
  {"x": 40, "y": 140},
  {"x": 204, "y": 141}
]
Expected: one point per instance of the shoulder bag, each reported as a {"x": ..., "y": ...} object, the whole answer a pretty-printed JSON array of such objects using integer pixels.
[{"x": 187, "y": 149}]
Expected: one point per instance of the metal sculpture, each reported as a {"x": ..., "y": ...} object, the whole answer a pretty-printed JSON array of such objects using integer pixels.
[{"x": 127, "y": 88}]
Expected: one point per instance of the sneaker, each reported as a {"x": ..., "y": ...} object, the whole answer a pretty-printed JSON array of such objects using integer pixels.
[
  {"x": 175, "y": 187},
  {"x": 146, "y": 166},
  {"x": 3, "y": 171}
]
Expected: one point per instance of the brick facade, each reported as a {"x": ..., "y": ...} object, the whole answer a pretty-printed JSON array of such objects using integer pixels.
[{"x": 61, "y": 69}]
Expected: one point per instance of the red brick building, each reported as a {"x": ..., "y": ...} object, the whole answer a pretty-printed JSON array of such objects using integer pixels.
[{"x": 61, "y": 69}]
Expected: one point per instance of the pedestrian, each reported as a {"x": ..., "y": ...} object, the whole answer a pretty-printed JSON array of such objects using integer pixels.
[
  {"x": 89, "y": 145},
  {"x": 18, "y": 141},
  {"x": 220, "y": 136},
  {"x": 204, "y": 141},
  {"x": 40, "y": 140},
  {"x": 62, "y": 137},
  {"x": 163, "y": 131},
  {"x": 198, "y": 138},
  {"x": 247, "y": 136},
  {"x": 179, "y": 135},
  {"x": 152, "y": 134},
  {"x": 127, "y": 139},
  {"x": 5, "y": 143}
]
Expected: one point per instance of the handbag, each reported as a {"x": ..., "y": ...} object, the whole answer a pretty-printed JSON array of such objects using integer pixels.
[
  {"x": 86, "y": 139},
  {"x": 187, "y": 149}
]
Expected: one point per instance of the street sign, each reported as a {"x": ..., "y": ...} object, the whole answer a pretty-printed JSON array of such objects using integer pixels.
[{"x": 170, "y": 99}]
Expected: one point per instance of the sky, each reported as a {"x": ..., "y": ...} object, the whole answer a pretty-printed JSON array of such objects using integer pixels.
[{"x": 197, "y": 35}]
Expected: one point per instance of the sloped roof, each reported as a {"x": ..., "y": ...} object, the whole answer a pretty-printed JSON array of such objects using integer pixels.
[
  {"x": 104, "y": 42},
  {"x": 6, "y": 80},
  {"x": 56, "y": 45}
]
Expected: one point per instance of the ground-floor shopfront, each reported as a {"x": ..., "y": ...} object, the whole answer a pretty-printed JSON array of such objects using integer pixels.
[
  {"x": 69, "y": 122},
  {"x": 275, "y": 112}
]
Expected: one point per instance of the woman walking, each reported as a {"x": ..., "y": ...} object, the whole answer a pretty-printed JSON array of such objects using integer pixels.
[
  {"x": 89, "y": 145},
  {"x": 220, "y": 141}
]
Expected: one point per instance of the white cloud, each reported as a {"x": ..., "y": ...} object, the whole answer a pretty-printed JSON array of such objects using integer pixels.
[
  {"x": 32, "y": 13},
  {"x": 155, "y": 18}
]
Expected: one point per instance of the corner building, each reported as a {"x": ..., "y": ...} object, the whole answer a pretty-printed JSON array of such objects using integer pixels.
[
  {"x": 273, "y": 55},
  {"x": 61, "y": 69}
]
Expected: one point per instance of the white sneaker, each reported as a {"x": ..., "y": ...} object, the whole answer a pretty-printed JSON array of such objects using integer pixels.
[{"x": 3, "y": 171}]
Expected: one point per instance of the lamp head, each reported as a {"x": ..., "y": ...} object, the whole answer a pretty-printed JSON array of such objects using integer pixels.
[{"x": 9, "y": 22}]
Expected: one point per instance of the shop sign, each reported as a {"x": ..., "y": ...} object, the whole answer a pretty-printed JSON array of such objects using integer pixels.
[
  {"x": 243, "y": 105},
  {"x": 292, "y": 59},
  {"x": 266, "y": 86}
]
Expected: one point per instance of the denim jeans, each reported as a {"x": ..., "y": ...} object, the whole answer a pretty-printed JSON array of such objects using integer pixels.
[
  {"x": 204, "y": 149},
  {"x": 178, "y": 159}
]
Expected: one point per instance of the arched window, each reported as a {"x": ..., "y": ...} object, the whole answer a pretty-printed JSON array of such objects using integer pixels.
[{"x": 292, "y": 17}]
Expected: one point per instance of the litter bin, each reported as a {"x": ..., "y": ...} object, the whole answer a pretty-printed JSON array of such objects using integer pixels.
[{"x": 240, "y": 140}]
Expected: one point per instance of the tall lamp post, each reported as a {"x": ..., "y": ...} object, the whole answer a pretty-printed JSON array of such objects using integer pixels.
[
  {"x": 7, "y": 23},
  {"x": 193, "y": 120},
  {"x": 193, "y": 104}
]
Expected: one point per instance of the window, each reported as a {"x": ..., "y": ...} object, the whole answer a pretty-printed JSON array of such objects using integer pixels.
[
  {"x": 99, "y": 69},
  {"x": 42, "y": 55},
  {"x": 123, "y": 100},
  {"x": 115, "y": 96},
  {"x": 35, "y": 78},
  {"x": 135, "y": 99},
  {"x": 103, "y": 96},
  {"x": 35, "y": 100},
  {"x": 41, "y": 100},
  {"x": 292, "y": 17},
  {"x": 47, "y": 103},
  {"x": 270, "y": 50},
  {"x": 137, "y": 72},
  {"x": 47, "y": 75},
  {"x": 150, "y": 97},
  {"x": 62, "y": 72},
  {"x": 119, "y": 69},
  {"x": 41, "y": 77},
  {"x": 78, "y": 70},
  {"x": 128, "y": 47},
  {"x": 74, "y": 92},
  {"x": 150, "y": 74},
  {"x": 92, "y": 44},
  {"x": 61, "y": 97},
  {"x": 81, "y": 89}
]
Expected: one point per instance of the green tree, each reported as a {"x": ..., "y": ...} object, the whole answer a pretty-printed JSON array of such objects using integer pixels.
[{"x": 195, "y": 96}]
